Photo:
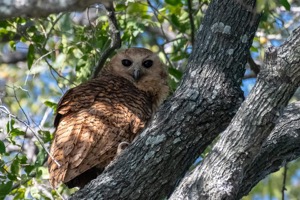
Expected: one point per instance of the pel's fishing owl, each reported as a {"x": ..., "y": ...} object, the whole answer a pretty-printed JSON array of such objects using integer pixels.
[{"x": 95, "y": 117}]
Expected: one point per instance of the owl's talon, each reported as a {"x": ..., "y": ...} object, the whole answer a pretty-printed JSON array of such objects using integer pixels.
[{"x": 121, "y": 147}]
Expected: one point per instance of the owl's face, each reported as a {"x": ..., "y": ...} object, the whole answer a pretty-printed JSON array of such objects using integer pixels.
[{"x": 137, "y": 65}]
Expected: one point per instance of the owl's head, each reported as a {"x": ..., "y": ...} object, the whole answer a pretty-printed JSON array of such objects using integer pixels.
[
  {"x": 143, "y": 68},
  {"x": 137, "y": 64}
]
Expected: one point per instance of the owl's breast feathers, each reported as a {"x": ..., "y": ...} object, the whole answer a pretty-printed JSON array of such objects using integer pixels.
[{"x": 92, "y": 119}]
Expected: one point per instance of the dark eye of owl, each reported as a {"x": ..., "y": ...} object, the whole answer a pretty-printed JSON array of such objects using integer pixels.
[
  {"x": 147, "y": 63},
  {"x": 126, "y": 62}
]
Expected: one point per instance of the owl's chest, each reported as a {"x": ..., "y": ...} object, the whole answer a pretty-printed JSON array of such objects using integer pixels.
[{"x": 126, "y": 109}]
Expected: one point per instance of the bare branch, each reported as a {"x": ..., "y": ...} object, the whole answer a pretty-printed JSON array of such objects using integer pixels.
[
  {"x": 189, "y": 2},
  {"x": 253, "y": 66},
  {"x": 115, "y": 37},
  {"x": 283, "y": 189},
  {"x": 13, "y": 57},
  {"x": 34, "y": 8}
]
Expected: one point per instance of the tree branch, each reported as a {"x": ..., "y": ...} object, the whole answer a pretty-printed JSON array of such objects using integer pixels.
[
  {"x": 221, "y": 173},
  {"x": 199, "y": 110},
  {"x": 191, "y": 18},
  {"x": 13, "y": 57},
  {"x": 253, "y": 66},
  {"x": 115, "y": 37},
  {"x": 280, "y": 147},
  {"x": 34, "y": 8}
]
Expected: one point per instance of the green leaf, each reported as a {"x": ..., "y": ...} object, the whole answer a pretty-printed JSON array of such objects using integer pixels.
[
  {"x": 35, "y": 193},
  {"x": 40, "y": 158},
  {"x": 175, "y": 20},
  {"x": 285, "y": 4},
  {"x": 46, "y": 136},
  {"x": 5, "y": 189},
  {"x": 2, "y": 147},
  {"x": 173, "y": 2},
  {"x": 11, "y": 176},
  {"x": 51, "y": 105},
  {"x": 15, "y": 167},
  {"x": 253, "y": 49},
  {"x": 16, "y": 132},
  {"x": 10, "y": 125},
  {"x": 28, "y": 169},
  {"x": 176, "y": 73},
  {"x": 30, "y": 56},
  {"x": 12, "y": 44}
]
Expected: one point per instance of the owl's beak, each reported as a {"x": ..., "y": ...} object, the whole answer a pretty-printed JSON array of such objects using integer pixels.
[{"x": 136, "y": 74}]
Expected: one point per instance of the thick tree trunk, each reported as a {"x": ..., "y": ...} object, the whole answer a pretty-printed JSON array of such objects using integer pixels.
[
  {"x": 199, "y": 110},
  {"x": 224, "y": 171}
]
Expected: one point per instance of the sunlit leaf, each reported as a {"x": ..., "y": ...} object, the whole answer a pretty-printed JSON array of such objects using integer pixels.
[
  {"x": 253, "y": 49},
  {"x": 46, "y": 136},
  {"x": 10, "y": 125},
  {"x": 51, "y": 105},
  {"x": 16, "y": 132},
  {"x": 285, "y": 4}
]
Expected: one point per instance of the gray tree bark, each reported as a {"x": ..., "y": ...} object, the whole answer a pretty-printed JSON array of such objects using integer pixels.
[{"x": 243, "y": 154}]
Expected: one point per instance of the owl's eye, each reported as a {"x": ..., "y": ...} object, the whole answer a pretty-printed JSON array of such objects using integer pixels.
[
  {"x": 126, "y": 62},
  {"x": 147, "y": 63}
]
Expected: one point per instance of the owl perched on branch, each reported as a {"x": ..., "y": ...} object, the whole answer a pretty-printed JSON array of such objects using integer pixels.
[{"x": 96, "y": 117}]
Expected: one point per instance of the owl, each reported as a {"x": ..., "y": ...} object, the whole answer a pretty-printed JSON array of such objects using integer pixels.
[{"x": 98, "y": 118}]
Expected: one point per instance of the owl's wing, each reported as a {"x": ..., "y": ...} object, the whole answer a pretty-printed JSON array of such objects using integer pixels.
[
  {"x": 70, "y": 121},
  {"x": 92, "y": 120}
]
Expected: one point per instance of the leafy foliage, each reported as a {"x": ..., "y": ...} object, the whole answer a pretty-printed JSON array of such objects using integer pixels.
[{"x": 61, "y": 51}]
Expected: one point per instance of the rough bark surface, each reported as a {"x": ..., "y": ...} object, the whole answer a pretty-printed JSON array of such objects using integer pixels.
[
  {"x": 37, "y": 8},
  {"x": 281, "y": 146},
  {"x": 199, "y": 110},
  {"x": 221, "y": 174}
]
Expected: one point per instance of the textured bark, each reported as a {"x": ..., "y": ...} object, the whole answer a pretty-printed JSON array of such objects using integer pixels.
[
  {"x": 233, "y": 159},
  {"x": 199, "y": 110},
  {"x": 281, "y": 146},
  {"x": 37, "y": 8}
]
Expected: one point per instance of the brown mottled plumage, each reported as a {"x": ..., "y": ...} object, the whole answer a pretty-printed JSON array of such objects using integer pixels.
[{"x": 95, "y": 117}]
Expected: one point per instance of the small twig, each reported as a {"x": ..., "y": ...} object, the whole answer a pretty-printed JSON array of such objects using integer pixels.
[
  {"x": 52, "y": 69},
  {"x": 190, "y": 11},
  {"x": 173, "y": 40},
  {"x": 47, "y": 36},
  {"x": 283, "y": 189},
  {"x": 15, "y": 186},
  {"x": 253, "y": 66},
  {"x": 166, "y": 56},
  {"x": 115, "y": 37},
  {"x": 18, "y": 102},
  {"x": 6, "y": 111},
  {"x": 155, "y": 11}
]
